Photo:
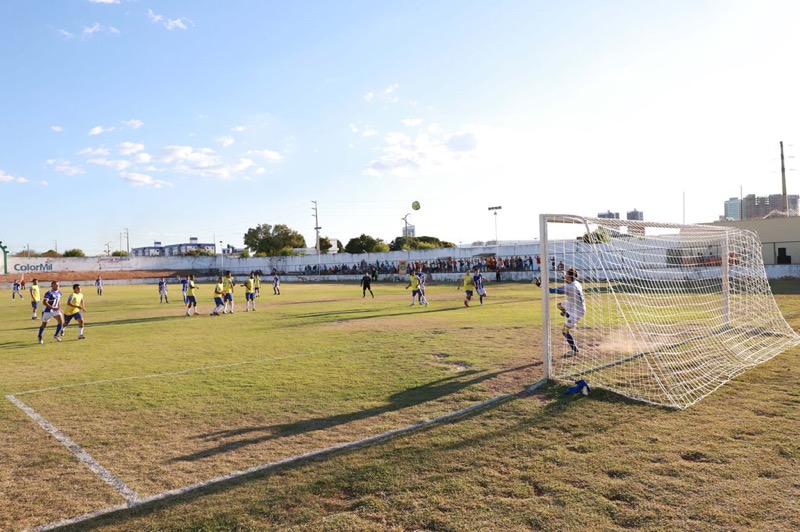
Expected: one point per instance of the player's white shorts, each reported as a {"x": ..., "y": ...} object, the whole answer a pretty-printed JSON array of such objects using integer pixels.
[
  {"x": 572, "y": 321},
  {"x": 47, "y": 314},
  {"x": 481, "y": 291}
]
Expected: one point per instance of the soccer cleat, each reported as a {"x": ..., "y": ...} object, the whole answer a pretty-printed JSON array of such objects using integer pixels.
[
  {"x": 57, "y": 337},
  {"x": 33, "y": 317},
  {"x": 81, "y": 337},
  {"x": 41, "y": 341}
]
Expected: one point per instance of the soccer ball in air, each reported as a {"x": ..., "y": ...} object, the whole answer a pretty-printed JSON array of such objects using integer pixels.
[{"x": 415, "y": 205}]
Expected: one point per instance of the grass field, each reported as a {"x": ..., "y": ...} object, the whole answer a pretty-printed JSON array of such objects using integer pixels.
[{"x": 162, "y": 401}]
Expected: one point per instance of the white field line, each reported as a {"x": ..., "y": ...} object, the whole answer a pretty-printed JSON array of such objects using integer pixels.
[
  {"x": 166, "y": 374},
  {"x": 105, "y": 475},
  {"x": 286, "y": 461}
]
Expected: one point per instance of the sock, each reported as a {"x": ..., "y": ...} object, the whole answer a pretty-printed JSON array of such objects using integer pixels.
[
  {"x": 571, "y": 341},
  {"x": 80, "y": 331},
  {"x": 58, "y": 329},
  {"x": 41, "y": 331}
]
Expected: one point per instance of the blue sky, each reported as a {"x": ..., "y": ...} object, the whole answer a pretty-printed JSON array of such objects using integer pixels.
[{"x": 206, "y": 118}]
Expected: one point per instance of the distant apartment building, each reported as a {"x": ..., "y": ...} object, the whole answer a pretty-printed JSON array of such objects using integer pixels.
[
  {"x": 733, "y": 209},
  {"x": 635, "y": 215},
  {"x": 608, "y": 215},
  {"x": 754, "y": 207}
]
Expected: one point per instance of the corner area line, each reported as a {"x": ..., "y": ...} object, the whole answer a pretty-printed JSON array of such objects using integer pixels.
[
  {"x": 286, "y": 461},
  {"x": 105, "y": 475}
]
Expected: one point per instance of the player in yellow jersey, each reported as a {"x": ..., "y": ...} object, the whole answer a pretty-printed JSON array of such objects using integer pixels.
[
  {"x": 74, "y": 309},
  {"x": 228, "y": 284},
  {"x": 413, "y": 283},
  {"x": 219, "y": 294},
  {"x": 35, "y": 297},
  {"x": 257, "y": 284},
  {"x": 250, "y": 293},
  {"x": 469, "y": 286},
  {"x": 191, "y": 296}
]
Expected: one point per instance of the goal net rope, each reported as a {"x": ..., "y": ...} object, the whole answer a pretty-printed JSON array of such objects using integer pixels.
[{"x": 672, "y": 312}]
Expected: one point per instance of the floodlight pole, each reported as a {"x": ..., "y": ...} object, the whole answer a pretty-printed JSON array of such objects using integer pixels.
[
  {"x": 222, "y": 257},
  {"x": 405, "y": 219},
  {"x": 5, "y": 257},
  {"x": 317, "y": 228},
  {"x": 496, "y": 243}
]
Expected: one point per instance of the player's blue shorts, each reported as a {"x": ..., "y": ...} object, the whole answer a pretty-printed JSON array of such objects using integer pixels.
[
  {"x": 69, "y": 317},
  {"x": 218, "y": 301},
  {"x": 415, "y": 293},
  {"x": 250, "y": 296},
  {"x": 35, "y": 304},
  {"x": 469, "y": 293},
  {"x": 191, "y": 299},
  {"x": 228, "y": 296}
]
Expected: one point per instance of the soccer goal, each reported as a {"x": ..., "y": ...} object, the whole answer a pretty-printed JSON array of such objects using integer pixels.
[{"x": 671, "y": 312}]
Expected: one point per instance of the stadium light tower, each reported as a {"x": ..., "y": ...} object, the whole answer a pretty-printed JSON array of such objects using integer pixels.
[
  {"x": 495, "y": 209},
  {"x": 222, "y": 254},
  {"x": 405, "y": 219}
]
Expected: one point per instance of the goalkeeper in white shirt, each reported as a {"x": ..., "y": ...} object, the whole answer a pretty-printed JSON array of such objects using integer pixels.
[{"x": 574, "y": 308}]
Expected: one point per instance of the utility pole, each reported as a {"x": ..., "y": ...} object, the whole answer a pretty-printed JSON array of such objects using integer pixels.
[
  {"x": 127, "y": 241},
  {"x": 317, "y": 228},
  {"x": 495, "y": 209},
  {"x": 783, "y": 180},
  {"x": 108, "y": 248}
]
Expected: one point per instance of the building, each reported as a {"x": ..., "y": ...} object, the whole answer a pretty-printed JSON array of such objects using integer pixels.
[
  {"x": 608, "y": 215},
  {"x": 409, "y": 231},
  {"x": 755, "y": 207},
  {"x": 635, "y": 215},
  {"x": 172, "y": 250},
  {"x": 733, "y": 209}
]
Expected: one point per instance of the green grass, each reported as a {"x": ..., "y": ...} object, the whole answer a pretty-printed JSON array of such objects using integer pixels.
[{"x": 319, "y": 366}]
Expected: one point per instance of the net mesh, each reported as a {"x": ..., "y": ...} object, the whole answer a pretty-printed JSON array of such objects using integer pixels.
[{"x": 673, "y": 312}]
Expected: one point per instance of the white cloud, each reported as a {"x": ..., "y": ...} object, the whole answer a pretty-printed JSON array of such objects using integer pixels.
[
  {"x": 94, "y": 152},
  {"x": 180, "y": 23},
  {"x": 97, "y": 130},
  {"x": 57, "y": 129},
  {"x": 64, "y": 167},
  {"x": 88, "y": 31},
  {"x": 266, "y": 154},
  {"x": 116, "y": 164},
  {"x": 65, "y": 34},
  {"x": 143, "y": 180},
  {"x": 225, "y": 141},
  {"x": 368, "y": 97},
  {"x": 104, "y": 1},
  {"x": 238, "y": 129},
  {"x": 369, "y": 133},
  {"x": 142, "y": 158},
  {"x": 8, "y": 178},
  {"x": 134, "y": 123},
  {"x": 412, "y": 122},
  {"x": 129, "y": 148},
  {"x": 403, "y": 155}
]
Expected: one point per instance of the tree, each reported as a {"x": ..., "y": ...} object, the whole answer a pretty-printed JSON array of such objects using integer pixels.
[
  {"x": 201, "y": 252},
  {"x": 325, "y": 244},
  {"x": 74, "y": 253},
  {"x": 120, "y": 254},
  {"x": 366, "y": 244},
  {"x": 26, "y": 253},
  {"x": 245, "y": 253},
  {"x": 599, "y": 236},
  {"x": 424, "y": 242},
  {"x": 270, "y": 240},
  {"x": 51, "y": 254}
]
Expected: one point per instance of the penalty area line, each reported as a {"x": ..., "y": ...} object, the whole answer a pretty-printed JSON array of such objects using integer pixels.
[
  {"x": 84, "y": 457},
  {"x": 286, "y": 461}
]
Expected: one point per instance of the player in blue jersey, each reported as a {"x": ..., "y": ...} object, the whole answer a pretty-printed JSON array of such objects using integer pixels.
[
  {"x": 478, "y": 280},
  {"x": 16, "y": 290},
  {"x": 98, "y": 285},
  {"x": 51, "y": 309},
  {"x": 276, "y": 285},
  {"x": 162, "y": 291},
  {"x": 184, "y": 287},
  {"x": 422, "y": 280}
]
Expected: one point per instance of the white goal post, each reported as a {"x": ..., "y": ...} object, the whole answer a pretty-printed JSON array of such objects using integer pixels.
[{"x": 672, "y": 311}]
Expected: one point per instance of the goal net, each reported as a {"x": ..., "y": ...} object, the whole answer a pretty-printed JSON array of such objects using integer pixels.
[{"x": 672, "y": 312}]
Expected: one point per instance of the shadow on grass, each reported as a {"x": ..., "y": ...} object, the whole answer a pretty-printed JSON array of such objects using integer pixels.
[
  {"x": 560, "y": 403},
  {"x": 402, "y": 399}
]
